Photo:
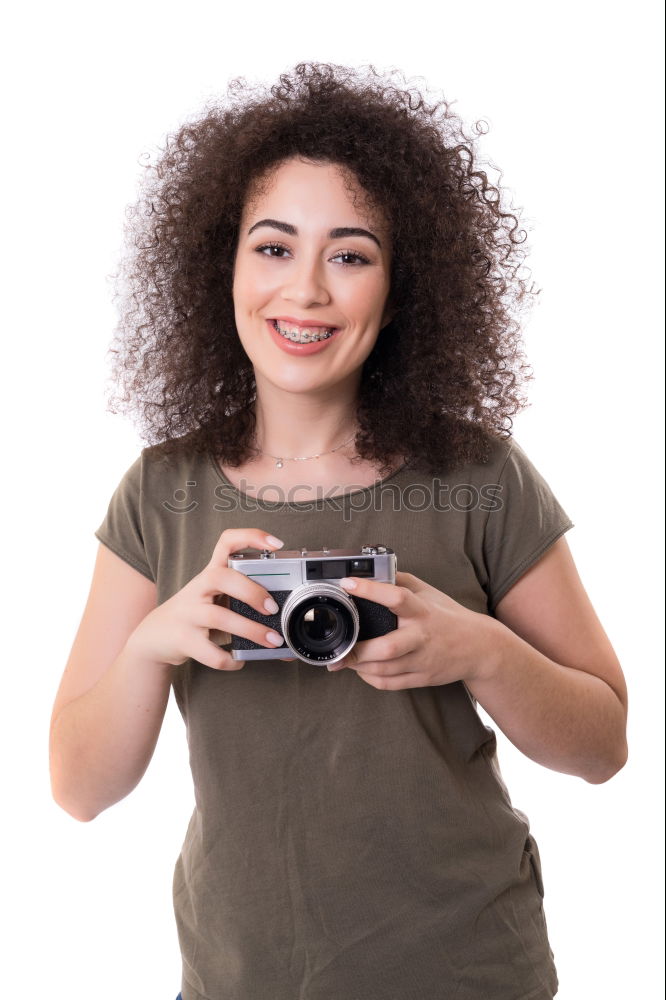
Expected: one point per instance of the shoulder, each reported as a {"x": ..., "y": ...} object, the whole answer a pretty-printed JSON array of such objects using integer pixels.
[
  {"x": 505, "y": 459},
  {"x": 482, "y": 451},
  {"x": 482, "y": 459},
  {"x": 173, "y": 453},
  {"x": 171, "y": 465}
]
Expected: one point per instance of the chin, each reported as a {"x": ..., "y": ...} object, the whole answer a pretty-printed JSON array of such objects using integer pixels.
[{"x": 295, "y": 382}]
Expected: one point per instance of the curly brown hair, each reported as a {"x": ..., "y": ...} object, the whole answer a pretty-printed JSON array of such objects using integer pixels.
[{"x": 438, "y": 397}]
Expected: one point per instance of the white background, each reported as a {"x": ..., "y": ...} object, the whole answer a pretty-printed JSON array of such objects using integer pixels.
[{"x": 571, "y": 94}]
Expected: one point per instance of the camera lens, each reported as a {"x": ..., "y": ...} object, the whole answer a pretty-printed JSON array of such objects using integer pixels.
[{"x": 319, "y": 625}]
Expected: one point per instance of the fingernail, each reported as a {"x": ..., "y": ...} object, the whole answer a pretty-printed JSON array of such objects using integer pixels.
[
  {"x": 272, "y": 540},
  {"x": 349, "y": 584},
  {"x": 274, "y": 638},
  {"x": 271, "y": 606},
  {"x": 335, "y": 666}
]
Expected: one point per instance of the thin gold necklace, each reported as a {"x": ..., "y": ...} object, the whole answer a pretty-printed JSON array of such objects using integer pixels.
[{"x": 280, "y": 459}]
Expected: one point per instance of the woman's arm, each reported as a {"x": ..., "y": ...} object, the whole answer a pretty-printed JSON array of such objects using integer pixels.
[
  {"x": 544, "y": 669},
  {"x": 551, "y": 679},
  {"x": 109, "y": 709},
  {"x": 110, "y": 704}
]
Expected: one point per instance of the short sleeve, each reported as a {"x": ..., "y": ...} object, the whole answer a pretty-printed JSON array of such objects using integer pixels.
[
  {"x": 526, "y": 519},
  {"x": 122, "y": 528}
]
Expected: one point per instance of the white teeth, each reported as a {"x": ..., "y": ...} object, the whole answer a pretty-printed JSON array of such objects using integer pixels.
[{"x": 304, "y": 336}]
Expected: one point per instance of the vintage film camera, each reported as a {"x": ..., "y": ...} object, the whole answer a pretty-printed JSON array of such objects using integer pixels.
[{"x": 319, "y": 621}]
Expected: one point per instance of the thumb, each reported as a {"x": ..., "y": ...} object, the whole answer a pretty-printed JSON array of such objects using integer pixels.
[{"x": 350, "y": 659}]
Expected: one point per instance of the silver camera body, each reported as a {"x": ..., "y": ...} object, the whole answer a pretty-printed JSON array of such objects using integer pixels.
[{"x": 318, "y": 620}]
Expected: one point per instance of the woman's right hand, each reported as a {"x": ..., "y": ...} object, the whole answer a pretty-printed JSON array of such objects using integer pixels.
[{"x": 180, "y": 627}]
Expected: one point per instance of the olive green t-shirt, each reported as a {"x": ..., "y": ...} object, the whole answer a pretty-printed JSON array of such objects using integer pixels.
[{"x": 349, "y": 843}]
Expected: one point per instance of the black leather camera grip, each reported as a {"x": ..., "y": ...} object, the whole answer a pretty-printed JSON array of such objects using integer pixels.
[
  {"x": 270, "y": 621},
  {"x": 374, "y": 619}
]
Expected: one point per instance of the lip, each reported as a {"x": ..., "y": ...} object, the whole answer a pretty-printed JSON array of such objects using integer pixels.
[
  {"x": 303, "y": 323},
  {"x": 289, "y": 347}
]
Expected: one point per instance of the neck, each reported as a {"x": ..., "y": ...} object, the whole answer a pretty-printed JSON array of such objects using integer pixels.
[{"x": 294, "y": 424}]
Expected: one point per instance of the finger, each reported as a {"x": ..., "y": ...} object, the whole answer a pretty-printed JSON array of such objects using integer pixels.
[
  {"x": 397, "y": 682},
  {"x": 413, "y": 583},
  {"x": 398, "y": 599},
  {"x": 219, "y": 638},
  {"x": 223, "y": 581},
  {"x": 234, "y": 539},
  {"x": 384, "y": 649},
  {"x": 211, "y": 616},
  {"x": 206, "y": 652},
  {"x": 389, "y": 668}
]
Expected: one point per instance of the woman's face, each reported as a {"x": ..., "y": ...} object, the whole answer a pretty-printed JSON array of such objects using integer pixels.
[{"x": 292, "y": 266}]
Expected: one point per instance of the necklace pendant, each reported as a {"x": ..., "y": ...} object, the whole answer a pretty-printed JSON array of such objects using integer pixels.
[{"x": 279, "y": 463}]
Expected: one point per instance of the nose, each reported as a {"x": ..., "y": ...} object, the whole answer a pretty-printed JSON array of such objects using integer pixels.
[{"x": 306, "y": 283}]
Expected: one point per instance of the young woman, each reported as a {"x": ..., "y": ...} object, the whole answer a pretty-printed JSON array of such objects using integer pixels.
[{"x": 317, "y": 333}]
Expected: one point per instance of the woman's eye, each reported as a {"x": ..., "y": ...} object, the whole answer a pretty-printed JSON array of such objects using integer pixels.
[
  {"x": 356, "y": 257},
  {"x": 351, "y": 255},
  {"x": 270, "y": 246}
]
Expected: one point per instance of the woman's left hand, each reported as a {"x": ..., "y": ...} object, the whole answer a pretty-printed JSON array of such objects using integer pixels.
[{"x": 437, "y": 641}]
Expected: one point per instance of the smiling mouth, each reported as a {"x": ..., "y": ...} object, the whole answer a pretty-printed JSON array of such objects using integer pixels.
[{"x": 305, "y": 335}]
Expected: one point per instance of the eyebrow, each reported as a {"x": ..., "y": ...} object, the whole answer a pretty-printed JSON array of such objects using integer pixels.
[{"x": 334, "y": 234}]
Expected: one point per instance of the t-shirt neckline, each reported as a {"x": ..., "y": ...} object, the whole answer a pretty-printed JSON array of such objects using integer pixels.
[{"x": 299, "y": 504}]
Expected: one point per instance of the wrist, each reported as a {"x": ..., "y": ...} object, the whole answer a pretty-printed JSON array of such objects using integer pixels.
[
  {"x": 489, "y": 659},
  {"x": 134, "y": 652}
]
